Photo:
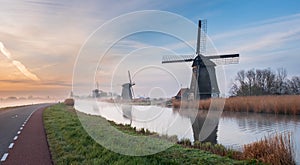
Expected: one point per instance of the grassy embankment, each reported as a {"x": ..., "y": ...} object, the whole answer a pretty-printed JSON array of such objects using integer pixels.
[
  {"x": 274, "y": 149},
  {"x": 70, "y": 144},
  {"x": 288, "y": 104}
]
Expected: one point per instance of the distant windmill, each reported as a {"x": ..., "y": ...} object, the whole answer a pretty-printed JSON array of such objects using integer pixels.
[
  {"x": 96, "y": 91},
  {"x": 204, "y": 82},
  {"x": 127, "y": 92}
]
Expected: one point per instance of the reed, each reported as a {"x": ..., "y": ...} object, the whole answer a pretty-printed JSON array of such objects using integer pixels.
[
  {"x": 287, "y": 104},
  {"x": 276, "y": 149}
]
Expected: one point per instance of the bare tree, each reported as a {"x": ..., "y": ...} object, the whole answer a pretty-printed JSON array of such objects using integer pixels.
[
  {"x": 251, "y": 80},
  {"x": 264, "y": 82},
  {"x": 281, "y": 81},
  {"x": 294, "y": 85}
]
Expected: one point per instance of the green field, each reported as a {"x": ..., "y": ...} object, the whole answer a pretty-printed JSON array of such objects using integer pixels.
[{"x": 70, "y": 144}]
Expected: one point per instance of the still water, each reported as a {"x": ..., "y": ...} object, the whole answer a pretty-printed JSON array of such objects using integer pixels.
[
  {"x": 233, "y": 129},
  {"x": 19, "y": 102}
]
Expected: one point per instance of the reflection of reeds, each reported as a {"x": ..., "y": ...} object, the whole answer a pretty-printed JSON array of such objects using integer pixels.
[
  {"x": 277, "y": 149},
  {"x": 260, "y": 104}
]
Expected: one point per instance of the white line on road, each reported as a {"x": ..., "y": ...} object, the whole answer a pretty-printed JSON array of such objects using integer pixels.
[
  {"x": 11, "y": 145},
  {"x": 4, "y": 157},
  {"x": 16, "y": 137}
]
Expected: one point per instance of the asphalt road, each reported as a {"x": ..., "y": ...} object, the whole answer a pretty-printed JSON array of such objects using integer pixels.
[{"x": 10, "y": 123}]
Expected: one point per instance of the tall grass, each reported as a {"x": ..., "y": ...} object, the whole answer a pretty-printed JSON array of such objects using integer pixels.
[
  {"x": 287, "y": 104},
  {"x": 276, "y": 149}
]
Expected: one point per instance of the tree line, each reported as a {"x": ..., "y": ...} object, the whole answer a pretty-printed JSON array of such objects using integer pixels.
[{"x": 265, "y": 82}]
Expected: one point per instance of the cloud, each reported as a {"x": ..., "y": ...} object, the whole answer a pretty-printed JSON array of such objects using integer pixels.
[
  {"x": 18, "y": 64},
  {"x": 46, "y": 36},
  {"x": 4, "y": 51},
  {"x": 261, "y": 36},
  {"x": 25, "y": 71},
  {"x": 41, "y": 84},
  {"x": 271, "y": 40}
]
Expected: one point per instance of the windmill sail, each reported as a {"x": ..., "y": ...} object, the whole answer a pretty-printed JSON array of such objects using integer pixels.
[
  {"x": 132, "y": 84},
  {"x": 173, "y": 59},
  {"x": 224, "y": 59},
  {"x": 201, "y": 38},
  {"x": 217, "y": 59}
]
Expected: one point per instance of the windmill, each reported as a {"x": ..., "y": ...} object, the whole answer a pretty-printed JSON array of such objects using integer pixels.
[
  {"x": 96, "y": 91},
  {"x": 127, "y": 92},
  {"x": 204, "y": 82}
]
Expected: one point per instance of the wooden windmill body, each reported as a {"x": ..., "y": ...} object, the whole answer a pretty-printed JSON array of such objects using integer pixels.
[{"x": 127, "y": 92}]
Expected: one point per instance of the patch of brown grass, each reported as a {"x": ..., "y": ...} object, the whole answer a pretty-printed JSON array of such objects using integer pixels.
[
  {"x": 276, "y": 149},
  {"x": 69, "y": 102},
  {"x": 287, "y": 104}
]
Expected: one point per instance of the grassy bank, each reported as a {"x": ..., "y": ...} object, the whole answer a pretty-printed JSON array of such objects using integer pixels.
[
  {"x": 70, "y": 144},
  {"x": 273, "y": 149},
  {"x": 286, "y": 104}
]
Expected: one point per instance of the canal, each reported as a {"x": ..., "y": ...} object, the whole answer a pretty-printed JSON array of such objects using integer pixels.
[{"x": 233, "y": 129}]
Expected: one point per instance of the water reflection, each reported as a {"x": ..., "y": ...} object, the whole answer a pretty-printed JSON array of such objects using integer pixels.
[
  {"x": 19, "y": 102},
  {"x": 197, "y": 122},
  {"x": 246, "y": 128},
  {"x": 127, "y": 112},
  {"x": 257, "y": 124}
]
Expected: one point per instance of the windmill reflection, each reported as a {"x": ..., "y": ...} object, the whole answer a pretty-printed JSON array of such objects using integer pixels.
[
  {"x": 127, "y": 112},
  {"x": 198, "y": 118}
]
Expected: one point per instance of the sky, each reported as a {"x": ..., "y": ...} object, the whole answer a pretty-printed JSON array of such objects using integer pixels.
[{"x": 42, "y": 43}]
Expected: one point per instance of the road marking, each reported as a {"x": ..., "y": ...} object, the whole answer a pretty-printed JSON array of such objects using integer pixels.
[
  {"x": 11, "y": 145},
  {"x": 18, "y": 132},
  {"x": 16, "y": 137},
  {"x": 4, "y": 157}
]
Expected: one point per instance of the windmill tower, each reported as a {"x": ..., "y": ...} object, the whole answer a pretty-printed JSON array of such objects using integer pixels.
[
  {"x": 204, "y": 82},
  {"x": 95, "y": 92},
  {"x": 127, "y": 92}
]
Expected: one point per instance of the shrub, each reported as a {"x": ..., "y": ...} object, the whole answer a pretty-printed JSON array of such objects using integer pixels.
[
  {"x": 276, "y": 149},
  {"x": 69, "y": 102}
]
